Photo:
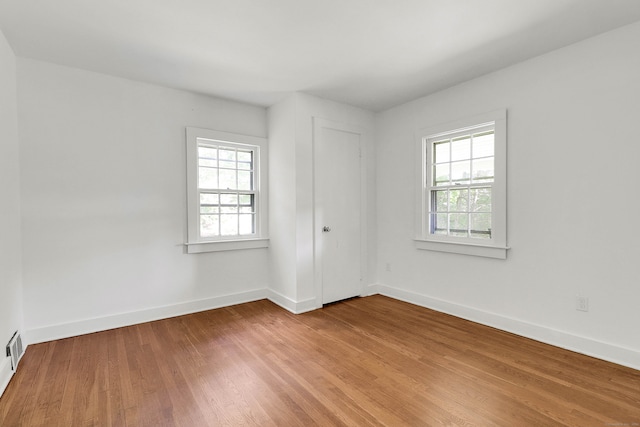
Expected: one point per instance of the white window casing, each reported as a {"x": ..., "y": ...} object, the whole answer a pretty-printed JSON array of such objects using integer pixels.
[
  {"x": 226, "y": 191},
  {"x": 461, "y": 203}
]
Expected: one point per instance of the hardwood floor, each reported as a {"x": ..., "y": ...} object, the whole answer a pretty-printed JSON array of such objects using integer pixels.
[{"x": 367, "y": 361}]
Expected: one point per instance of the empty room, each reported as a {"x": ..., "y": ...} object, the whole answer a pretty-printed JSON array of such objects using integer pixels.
[{"x": 336, "y": 213}]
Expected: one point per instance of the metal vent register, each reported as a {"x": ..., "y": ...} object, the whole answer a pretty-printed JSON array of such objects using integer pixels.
[{"x": 15, "y": 350}]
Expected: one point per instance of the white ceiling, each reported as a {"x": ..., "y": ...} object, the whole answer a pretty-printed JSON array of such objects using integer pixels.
[{"x": 369, "y": 53}]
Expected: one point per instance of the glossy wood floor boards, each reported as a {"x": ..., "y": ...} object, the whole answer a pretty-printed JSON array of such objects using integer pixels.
[{"x": 367, "y": 361}]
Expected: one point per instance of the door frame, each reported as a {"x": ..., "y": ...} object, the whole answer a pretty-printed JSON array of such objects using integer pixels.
[{"x": 318, "y": 124}]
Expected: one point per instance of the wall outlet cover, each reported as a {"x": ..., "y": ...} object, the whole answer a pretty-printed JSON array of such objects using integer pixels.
[{"x": 582, "y": 303}]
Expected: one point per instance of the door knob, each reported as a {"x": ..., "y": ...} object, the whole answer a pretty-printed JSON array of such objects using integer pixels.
[{"x": 326, "y": 229}]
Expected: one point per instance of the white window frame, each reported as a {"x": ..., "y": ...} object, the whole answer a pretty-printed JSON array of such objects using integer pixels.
[
  {"x": 198, "y": 244},
  {"x": 496, "y": 246}
]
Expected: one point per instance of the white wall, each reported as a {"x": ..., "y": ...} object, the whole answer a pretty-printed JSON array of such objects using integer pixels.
[
  {"x": 282, "y": 202},
  {"x": 572, "y": 200},
  {"x": 103, "y": 202},
  {"x": 292, "y": 206},
  {"x": 10, "y": 243},
  {"x": 308, "y": 107}
]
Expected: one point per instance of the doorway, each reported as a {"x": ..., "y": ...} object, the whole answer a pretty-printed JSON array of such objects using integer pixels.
[{"x": 338, "y": 211}]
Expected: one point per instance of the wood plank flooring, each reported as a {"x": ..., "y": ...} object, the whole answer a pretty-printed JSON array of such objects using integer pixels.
[{"x": 368, "y": 361}]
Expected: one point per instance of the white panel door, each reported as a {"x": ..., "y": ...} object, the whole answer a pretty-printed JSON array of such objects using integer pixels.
[{"x": 337, "y": 211}]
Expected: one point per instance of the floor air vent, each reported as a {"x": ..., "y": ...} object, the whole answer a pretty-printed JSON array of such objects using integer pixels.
[{"x": 15, "y": 350}]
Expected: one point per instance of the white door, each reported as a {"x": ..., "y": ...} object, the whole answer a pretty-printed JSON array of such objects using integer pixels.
[{"x": 338, "y": 216}]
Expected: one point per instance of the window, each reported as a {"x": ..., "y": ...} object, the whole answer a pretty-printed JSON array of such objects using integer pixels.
[
  {"x": 462, "y": 200},
  {"x": 226, "y": 178}
]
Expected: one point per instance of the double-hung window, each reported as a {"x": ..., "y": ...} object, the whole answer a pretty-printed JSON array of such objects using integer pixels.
[
  {"x": 462, "y": 200},
  {"x": 226, "y": 191}
]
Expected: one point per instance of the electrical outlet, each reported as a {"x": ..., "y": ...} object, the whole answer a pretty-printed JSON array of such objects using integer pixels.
[
  {"x": 388, "y": 266},
  {"x": 582, "y": 303}
]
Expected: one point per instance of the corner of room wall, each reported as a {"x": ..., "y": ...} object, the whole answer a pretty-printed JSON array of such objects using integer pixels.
[
  {"x": 309, "y": 107},
  {"x": 292, "y": 283},
  {"x": 110, "y": 248},
  {"x": 558, "y": 338},
  {"x": 11, "y": 306},
  {"x": 118, "y": 320},
  {"x": 282, "y": 209},
  {"x": 564, "y": 109}
]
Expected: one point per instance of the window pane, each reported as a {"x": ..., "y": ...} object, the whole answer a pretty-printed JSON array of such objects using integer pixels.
[
  {"x": 441, "y": 152},
  {"x": 461, "y": 172},
  {"x": 480, "y": 199},
  {"x": 461, "y": 148},
  {"x": 458, "y": 225},
  {"x": 459, "y": 200},
  {"x": 229, "y": 225},
  {"x": 440, "y": 200},
  {"x": 229, "y": 199},
  {"x": 483, "y": 170},
  {"x": 245, "y": 160},
  {"x": 227, "y": 165},
  {"x": 208, "y": 152},
  {"x": 245, "y": 156},
  {"x": 209, "y": 199},
  {"x": 244, "y": 180},
  {"x": 225, "y": 202},
  {"x": 209, "y": 209},
  {"x": 207, "y": 177},
  {"x": 208, "y": 162},
  {"x": 481, "y": 225},
  {"x": 246, "y": 224},
  {"x": 460, "y": 183},
  {"x": 209, "y": 225},
  {"x": 228, "y": 179},
  {"x": 227, "y": 159},
  {"x": 207, "y": 156},
  {"x": 483, "y": 145},
  {"x": 439, "y": 223},
  {"x": 229, "y": 209},
  {"x": 441, "y": 174},
  {"x": 227, "y": 155}
]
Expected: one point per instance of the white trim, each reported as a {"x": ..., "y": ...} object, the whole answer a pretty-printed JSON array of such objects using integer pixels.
[
  {"x": 96, "y": 324},
  {"x": 584, "y": 345},
  {"x": 5, "y": 373},
  {"x": 459, "y": 131},
  {"x": 226, "y": 245},
  {"x": 371, "y": 289},
  {"x": 496, "y": 246},
  {"x": 467, "y": 122},
  {"x": 463, "y": 248},
  {"x": 259, "y": 146},
  {"x": 288, "y": 304}
]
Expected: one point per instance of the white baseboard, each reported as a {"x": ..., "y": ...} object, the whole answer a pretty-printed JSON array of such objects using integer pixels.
[
  {"x": 371, "y": 289},
  {"x": 601, "y": 350},
  {"x": 290, "y": 305},
  {"x": 588, "y": 346},
  {"x": 86, "y": 326},
  {"x": 5, "y": 373}
]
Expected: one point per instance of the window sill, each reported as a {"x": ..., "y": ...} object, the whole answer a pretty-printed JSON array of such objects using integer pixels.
[
  {"x": 226, "y": 245},
  {"x": 463, "y": 248}
]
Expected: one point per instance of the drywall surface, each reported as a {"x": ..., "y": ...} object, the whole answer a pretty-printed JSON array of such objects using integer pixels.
[
  {"x": 292, "y": 194},
  {"x": 572, "y": 200},
  {"x": 10, "y": 241},
  {"x": 282, "y": 201},
  {"x": 104, "y": 201},
  {"x": 307, "y": 108}
]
